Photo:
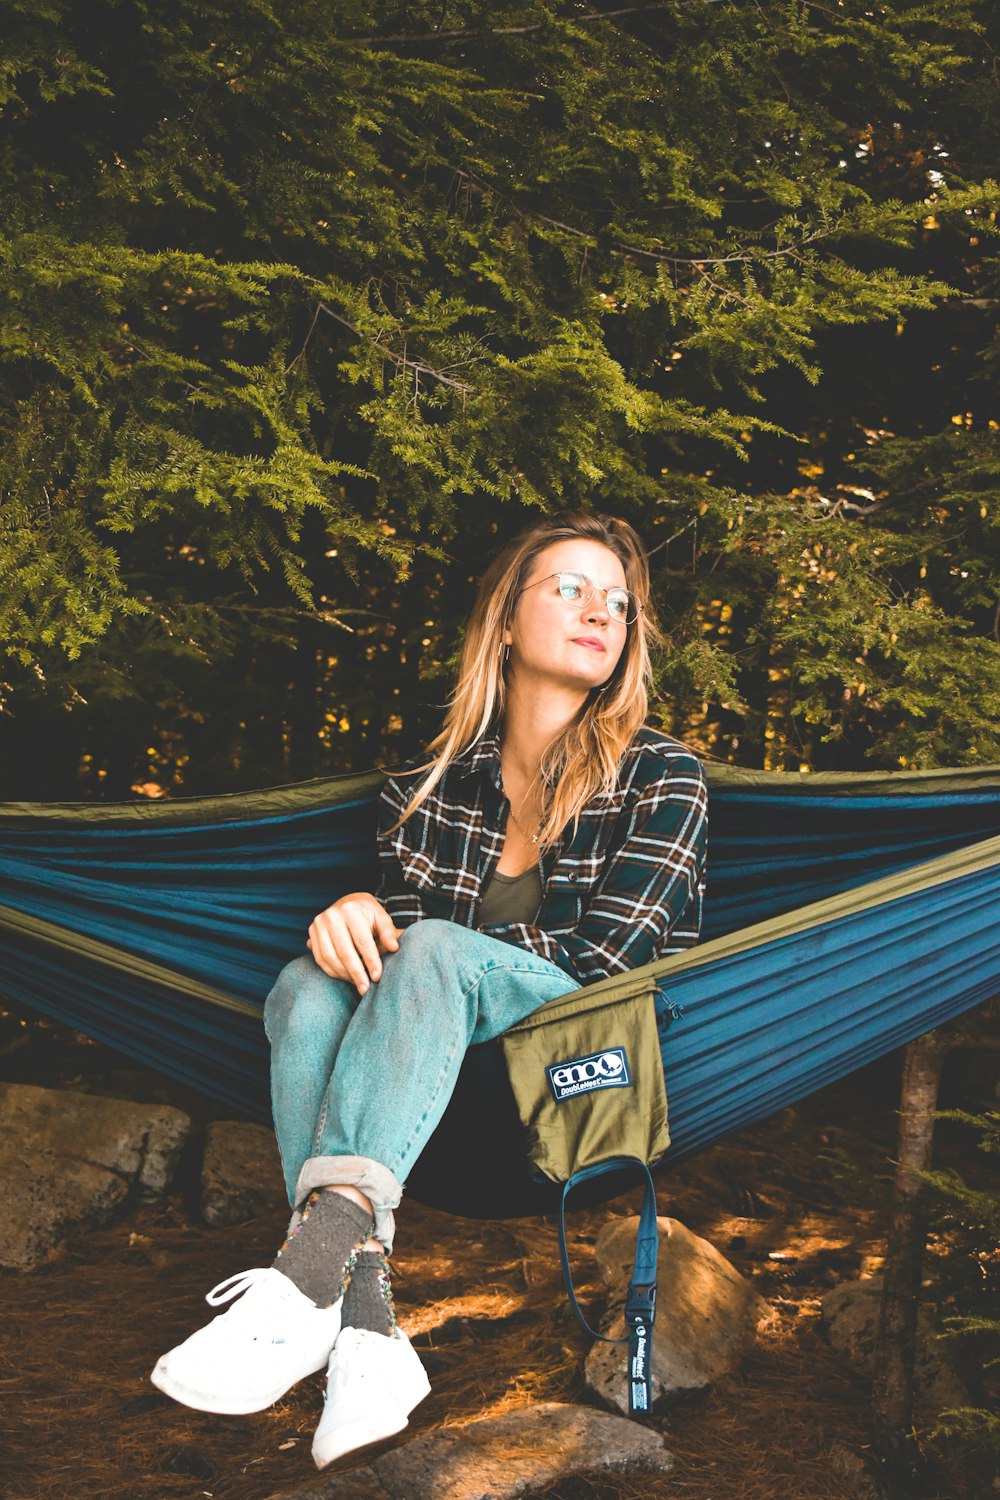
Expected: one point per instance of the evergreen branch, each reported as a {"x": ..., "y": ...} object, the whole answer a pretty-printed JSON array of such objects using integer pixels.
[
  {"x": 662, "y": 545},
  {"x": 179, "y": 618},
  {"x": 305, "y": 342},
  {"x": 970, "y": 1323},
  {"x": 846, "y": 507},
  {"x": 447, "y": 36},
  {"x": 135, "y": 347},
  {"x": 593, "y": 15},
  {"x": 618, "y": 247},
  {"x": 400, "y": 359}
]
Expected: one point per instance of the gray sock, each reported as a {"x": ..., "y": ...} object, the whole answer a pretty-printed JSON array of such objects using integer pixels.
[
  {"x": 320, "y": 1253},
  {"x": 368, "y": 1299}
]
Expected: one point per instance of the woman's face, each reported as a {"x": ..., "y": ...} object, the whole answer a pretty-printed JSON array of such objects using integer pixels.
[{"x": 573, "y": 644}]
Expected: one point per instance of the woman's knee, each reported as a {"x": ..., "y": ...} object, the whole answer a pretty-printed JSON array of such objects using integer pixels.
[
  {"x": 302, "y": 997},
  {"x": 430, "y": 940}
]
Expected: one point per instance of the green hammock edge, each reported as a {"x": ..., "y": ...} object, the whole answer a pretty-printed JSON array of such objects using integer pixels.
[
  {"x": 960, "y": 863},
  {"x": 331, "y": 791},
  {"x": 46, "y": 934},
  {"x": 947, "y": 867}
]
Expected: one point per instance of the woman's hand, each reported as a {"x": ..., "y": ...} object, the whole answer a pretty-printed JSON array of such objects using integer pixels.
[{"x": 348, "y": 939}]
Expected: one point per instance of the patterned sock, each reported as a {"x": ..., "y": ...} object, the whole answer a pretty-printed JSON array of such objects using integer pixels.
[
  {"x": 320, "y": 1253},
  {"x": 368, "y": 1299}
]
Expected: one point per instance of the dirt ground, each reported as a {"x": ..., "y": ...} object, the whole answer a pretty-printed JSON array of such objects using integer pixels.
[{"x": 796, "y": 1203}]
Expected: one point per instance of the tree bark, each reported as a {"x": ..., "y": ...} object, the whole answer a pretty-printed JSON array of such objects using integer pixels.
[{"x": 892, "y": 1391}]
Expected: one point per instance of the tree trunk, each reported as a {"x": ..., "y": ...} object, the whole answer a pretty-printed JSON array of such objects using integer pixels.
[{"x": 892, "y": 1393}]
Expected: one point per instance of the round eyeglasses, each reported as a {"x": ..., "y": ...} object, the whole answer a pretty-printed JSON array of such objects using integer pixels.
[{"x": 577, "y": 589}]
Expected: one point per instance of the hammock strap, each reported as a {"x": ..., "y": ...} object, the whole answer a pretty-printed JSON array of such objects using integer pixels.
[{"x": 640, "y": 1305}]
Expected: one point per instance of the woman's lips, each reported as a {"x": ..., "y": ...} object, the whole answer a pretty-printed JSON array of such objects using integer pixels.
[{"x": 589, "y": 640}]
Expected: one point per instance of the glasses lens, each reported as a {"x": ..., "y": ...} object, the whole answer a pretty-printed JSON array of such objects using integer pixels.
[
  {"x": 574, "y": 587},
  {"x": 620, "y": 604}
]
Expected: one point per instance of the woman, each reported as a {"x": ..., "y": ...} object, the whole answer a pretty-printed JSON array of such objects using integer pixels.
[{"x": 555, "y": 840}]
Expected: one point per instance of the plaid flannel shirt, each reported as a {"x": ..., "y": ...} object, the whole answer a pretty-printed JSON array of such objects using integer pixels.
[{"x": 624, "y": 889}]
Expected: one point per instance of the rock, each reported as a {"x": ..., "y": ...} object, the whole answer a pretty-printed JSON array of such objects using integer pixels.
[
  {"x": 360, "y": 1484},
  {"x": 855, "y": 1473},
  {"x": 501, "y": 1458},
  {"x": 241, "y": 1174},
  {"x": 70, "y": 1161},
  {"x": 140, "y": 1142},
  {"x": 46, "y": 1199},
  {"x": 707, "y": 1313},
  {"x": 850, "y": 1315}
]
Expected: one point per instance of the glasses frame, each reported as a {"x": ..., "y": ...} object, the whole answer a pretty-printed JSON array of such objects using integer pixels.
[{"x": 594, "y": 588}]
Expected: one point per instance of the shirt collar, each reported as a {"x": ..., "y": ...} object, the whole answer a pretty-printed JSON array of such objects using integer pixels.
[{"x": 483, "y": 755}]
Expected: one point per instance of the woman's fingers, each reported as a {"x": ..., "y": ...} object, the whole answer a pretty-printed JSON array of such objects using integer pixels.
[
  {"x": 386, "y": 931},
  {"x": 348, "y": 939},
  {"x": 362, "y": 938},
  {"x": 351, "y": 963},
  {"x": 343, "y": 931},
  {"x": 321, "y": 946},
  {"x": 332, "y": 949}
]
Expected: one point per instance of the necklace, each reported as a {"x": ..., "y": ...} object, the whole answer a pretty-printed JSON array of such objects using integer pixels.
[{"x": 531, "y": 837}]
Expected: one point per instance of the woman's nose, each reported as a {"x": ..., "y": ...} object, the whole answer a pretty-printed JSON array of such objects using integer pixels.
[{"x": 597, "y": 608}]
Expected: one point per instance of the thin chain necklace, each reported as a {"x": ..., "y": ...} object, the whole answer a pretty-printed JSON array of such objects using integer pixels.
[{"x": 532, "y": 837}]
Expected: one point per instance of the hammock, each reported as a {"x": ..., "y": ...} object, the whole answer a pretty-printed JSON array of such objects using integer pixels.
[{"x": 845, "y": 915}]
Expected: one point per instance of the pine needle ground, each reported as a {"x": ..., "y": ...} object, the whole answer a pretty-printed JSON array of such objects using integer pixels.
[{"x": 484, "y": 1304}]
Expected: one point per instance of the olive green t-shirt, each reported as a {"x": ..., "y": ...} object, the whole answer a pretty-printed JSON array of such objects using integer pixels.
[{"x": 511, "y": 898}]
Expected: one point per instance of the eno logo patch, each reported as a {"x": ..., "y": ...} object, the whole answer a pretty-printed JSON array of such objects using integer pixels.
[{"x": 581, "y": 1075}]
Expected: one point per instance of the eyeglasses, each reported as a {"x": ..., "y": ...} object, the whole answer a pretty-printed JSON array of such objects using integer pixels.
[{"x": 577, "y": 589}]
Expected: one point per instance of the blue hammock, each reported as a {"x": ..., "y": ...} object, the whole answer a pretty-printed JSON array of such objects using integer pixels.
[{"x": 845, "y": 915}]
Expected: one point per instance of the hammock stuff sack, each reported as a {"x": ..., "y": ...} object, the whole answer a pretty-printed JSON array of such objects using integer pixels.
[{"x": 586, "y": 1073}]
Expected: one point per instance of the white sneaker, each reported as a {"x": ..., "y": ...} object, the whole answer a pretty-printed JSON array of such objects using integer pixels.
[
  {"x": 373, "y": 1382},
  {"x": 251, "y": 1355}
]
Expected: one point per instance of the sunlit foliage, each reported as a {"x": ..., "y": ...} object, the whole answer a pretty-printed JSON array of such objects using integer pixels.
[{"x": 305, "y": 306}]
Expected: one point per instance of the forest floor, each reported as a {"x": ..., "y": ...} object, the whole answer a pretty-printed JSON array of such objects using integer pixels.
[{"x": 797, "y": 1203}]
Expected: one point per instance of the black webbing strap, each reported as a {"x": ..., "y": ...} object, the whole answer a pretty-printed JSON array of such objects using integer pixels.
[{"x": 640, "y": 1306}]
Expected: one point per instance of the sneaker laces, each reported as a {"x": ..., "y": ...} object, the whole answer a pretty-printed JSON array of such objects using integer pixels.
[{"x": 235, "y": 1286}]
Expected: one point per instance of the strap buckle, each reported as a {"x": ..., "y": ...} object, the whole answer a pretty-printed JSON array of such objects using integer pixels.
[{"x": 641, "y": 1304}]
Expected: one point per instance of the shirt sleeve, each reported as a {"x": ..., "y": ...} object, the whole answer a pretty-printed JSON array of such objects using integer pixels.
[
  {"x": 652, "y": 878},
  {"x": 400, "y": 900}
]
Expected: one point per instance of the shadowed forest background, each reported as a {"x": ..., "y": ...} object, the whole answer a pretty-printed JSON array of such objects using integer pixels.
[{"x": 307, "y": 307}]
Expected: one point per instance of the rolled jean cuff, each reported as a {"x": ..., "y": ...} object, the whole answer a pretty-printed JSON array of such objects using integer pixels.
[{"x": 370, "y": 1177}]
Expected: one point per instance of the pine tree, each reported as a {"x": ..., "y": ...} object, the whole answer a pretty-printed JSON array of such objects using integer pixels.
[{"x": 304, "y": 307}]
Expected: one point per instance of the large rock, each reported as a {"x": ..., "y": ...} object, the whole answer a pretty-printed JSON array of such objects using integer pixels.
[
  {"x": 855, "y": 1471},
  {"x": 47, "y": 1199},
  {"x": 501, "y": 1458},
  {"x": 706, "y": 1313},
  {"x": 69, "y": 1162},
  {"x": 850, "y": 1317},
  {"x": 240, "y": 1174}
]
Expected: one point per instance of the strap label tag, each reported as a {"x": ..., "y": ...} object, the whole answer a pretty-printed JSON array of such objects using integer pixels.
[
  {"x": 608, "y": 1069},
  {"x": 639, "y": 1370}
]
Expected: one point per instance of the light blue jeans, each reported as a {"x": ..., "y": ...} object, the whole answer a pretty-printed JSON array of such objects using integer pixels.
[{"x": 359, "y": 1083}]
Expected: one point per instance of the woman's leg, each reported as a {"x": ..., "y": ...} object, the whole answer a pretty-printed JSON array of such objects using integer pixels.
[
  {"x": 446, "y": 989},
  {"x": 358, "y": 1088},
  {"x": 278, "y": 1331},
  {"x": 306, "y": 1017}
]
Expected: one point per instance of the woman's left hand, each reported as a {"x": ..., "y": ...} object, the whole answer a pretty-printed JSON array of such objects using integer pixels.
[{"x": 348, "y": 939}]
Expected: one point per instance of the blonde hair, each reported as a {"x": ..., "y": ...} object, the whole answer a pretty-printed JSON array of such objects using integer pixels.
[{"x": 583, "y": 761}]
